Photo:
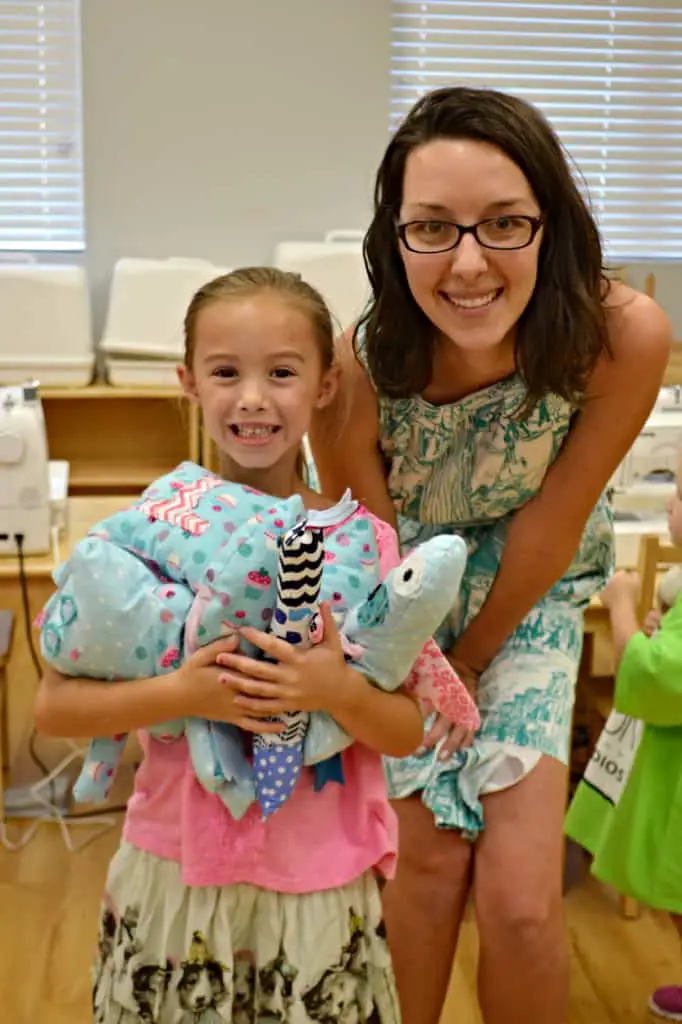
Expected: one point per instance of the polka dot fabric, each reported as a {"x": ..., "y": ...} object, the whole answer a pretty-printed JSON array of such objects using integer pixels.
[{"x": 189, "y": 561}]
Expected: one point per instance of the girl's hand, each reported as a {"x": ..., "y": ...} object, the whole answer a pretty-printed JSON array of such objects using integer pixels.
[
  {"x": 201, "y": 693},
  {"x": 623, "y": 586},
  {"x": 652, "y": 622},
  {"x": 458, "y": 737},
  {"x": 312, "y": 679}
]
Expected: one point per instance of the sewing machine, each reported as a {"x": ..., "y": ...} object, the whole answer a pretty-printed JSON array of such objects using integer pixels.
[
  {"x": 24, "y": 473},
  {"x": 655, "y": 454}
]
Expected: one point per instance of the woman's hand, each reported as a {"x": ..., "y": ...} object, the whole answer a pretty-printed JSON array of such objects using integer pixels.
[
  {"x": 200, "y": 690},
  {"x": 458, "y": 737},
  {"x": 311, "y": 679}
]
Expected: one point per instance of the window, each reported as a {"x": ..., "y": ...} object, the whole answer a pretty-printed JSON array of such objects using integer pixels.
[
  {"x": 607, "y": 74},
  {"x": 41, "y": 164}
]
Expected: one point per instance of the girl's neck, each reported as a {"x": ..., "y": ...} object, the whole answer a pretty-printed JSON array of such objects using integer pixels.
[{"x": 280, "y": 480}]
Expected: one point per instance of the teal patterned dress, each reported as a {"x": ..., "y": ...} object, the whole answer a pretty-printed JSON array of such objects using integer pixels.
[{"x": 467, "y": 467}]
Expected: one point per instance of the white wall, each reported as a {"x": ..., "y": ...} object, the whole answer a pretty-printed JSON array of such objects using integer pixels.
[{"x": 216, "y": 128}]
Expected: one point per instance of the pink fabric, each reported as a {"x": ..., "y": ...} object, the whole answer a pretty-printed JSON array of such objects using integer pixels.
[
  {"x": 437, "y": 686},
  {"x": 315, "y": 841}
]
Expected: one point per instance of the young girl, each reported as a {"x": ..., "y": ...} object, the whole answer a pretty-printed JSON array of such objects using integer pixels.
[
  {"x": 205, "y": 918},
  {"x": 639, "y": 853}
]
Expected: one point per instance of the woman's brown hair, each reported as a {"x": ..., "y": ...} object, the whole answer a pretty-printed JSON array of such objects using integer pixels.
[{"x": 562, "y": 332}]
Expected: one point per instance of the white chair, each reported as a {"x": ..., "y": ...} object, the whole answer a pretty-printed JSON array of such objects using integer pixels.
[
  {"x": 335, "y": 267},
  {"x": 45, "y": 331},
  {"x": 143, "y": 333}
]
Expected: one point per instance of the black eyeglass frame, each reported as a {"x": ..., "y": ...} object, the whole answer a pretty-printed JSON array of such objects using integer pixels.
[{"x": 468, "y": 229}]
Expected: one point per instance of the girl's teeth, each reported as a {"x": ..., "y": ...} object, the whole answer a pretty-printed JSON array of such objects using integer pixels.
[
  {"x": 473, "y": 303},
  {"x": 254, "y": 431}
]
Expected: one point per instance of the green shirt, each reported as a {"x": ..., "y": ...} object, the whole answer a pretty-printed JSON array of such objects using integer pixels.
[{"x": 641, "y": 851}]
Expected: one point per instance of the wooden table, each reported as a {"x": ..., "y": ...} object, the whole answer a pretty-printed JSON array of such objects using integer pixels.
[{"x": 21, "y": 673}]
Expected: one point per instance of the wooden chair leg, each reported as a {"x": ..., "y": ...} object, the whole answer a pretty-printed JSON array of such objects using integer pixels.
[
  {"x": 629, "y": 908},
  {"x": 4, "y": 725}
]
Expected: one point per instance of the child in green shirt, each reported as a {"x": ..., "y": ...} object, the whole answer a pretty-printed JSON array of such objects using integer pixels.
[{"x": 640, "y": 851}]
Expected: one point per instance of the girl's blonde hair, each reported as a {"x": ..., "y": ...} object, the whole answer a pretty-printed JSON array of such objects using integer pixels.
[{"x": 246, "y": 282}]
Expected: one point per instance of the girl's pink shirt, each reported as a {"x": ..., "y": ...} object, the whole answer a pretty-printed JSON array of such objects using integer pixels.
[{"x": 314, "y": 841}]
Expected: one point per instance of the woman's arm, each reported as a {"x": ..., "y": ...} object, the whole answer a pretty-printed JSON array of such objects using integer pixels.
[
  {"x": 345, "y": 439},
  {"x": 544, "y": 535},
  {"x": 66, "y": 706}
]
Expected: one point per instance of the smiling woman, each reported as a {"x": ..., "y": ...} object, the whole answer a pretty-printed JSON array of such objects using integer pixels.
[{"x": 493, "y": 384}]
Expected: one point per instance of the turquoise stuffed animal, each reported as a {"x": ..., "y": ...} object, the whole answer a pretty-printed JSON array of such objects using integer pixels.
[{"x": 193, "y": 558}]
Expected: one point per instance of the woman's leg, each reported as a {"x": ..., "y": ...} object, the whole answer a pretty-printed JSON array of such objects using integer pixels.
[
  {"x": 423, "y": 909},
  {"x": 523, "y": 973}
]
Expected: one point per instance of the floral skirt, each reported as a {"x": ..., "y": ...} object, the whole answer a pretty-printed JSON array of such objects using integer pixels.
[{"x": 173, "y": 954}]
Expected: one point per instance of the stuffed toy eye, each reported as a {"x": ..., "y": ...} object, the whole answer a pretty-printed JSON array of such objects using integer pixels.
[{"x": 408, "y": 579}]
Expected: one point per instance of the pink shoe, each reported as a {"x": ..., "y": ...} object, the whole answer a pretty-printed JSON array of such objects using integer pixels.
[{"x": 667, "y": 1002}]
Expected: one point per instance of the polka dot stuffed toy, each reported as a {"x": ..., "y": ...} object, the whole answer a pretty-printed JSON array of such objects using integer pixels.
[{"x": 197, "y": 556}]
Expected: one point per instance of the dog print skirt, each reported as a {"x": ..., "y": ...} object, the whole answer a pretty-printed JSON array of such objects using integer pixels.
[{"x": 168, "y": 953}]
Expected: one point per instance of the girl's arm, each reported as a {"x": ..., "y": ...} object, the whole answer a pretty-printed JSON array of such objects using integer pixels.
[
  {"x": 390, "y": 723},
  {"x": 544, "y": 535},
  {"x": 66, "y": 706},
  {"x": 649, "y": 674}
]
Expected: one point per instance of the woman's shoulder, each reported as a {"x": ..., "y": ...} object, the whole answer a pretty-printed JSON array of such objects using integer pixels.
[
  {"x": 635, "y": 321},
  {"x": 351, "y": 354},
  {"x": 629, "y": 373}
]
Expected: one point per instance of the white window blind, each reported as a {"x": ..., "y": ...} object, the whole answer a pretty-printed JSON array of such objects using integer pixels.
[
  {"x": 607, "y": 74},
  {"x": 41, "y": 173}
]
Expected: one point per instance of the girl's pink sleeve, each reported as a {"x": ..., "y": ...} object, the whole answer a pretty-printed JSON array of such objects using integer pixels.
[{"x": 387, "y": 545}]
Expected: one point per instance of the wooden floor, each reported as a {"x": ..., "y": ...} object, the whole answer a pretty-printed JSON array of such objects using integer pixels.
[{"x": 49, "y": 902}]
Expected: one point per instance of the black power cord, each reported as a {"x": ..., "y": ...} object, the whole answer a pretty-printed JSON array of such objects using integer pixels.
[{"x": 33, "y": 736}]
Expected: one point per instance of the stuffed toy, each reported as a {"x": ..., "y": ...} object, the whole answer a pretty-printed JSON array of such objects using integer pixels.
[
  {"x": 175, "y": 571},
  {"x": 278, "y": 758}
]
